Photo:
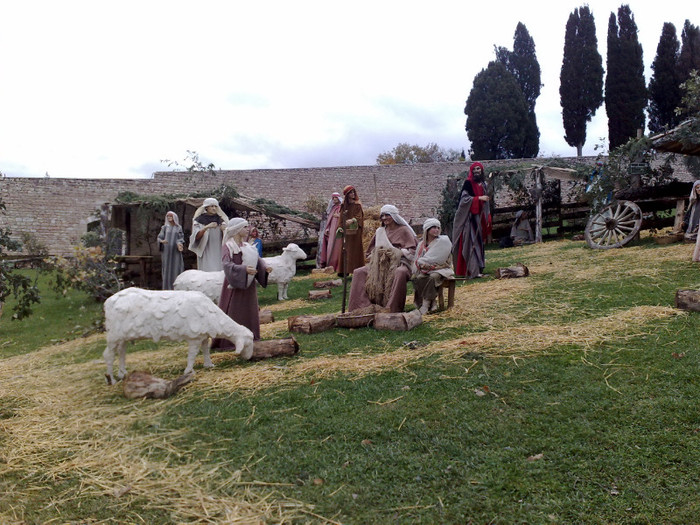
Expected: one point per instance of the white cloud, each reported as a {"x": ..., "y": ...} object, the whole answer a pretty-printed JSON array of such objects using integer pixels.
[{"x": 108, "y": 90}]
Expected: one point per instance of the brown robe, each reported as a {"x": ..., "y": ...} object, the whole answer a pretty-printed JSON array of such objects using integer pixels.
[
  {"x": 400, "y": 237},
  {"x": 238, "y": 300},
  {"x": 353, "y": 238}
]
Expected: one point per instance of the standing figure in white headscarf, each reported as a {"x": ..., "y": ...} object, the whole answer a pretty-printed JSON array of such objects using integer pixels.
[
  {"x": 432, "y": 265},
  {"x": 208, "y": 225},
  {"x": 328, "y": 256},
  {"x": 171, "y": 240},
  {"x": 242, "y": 267},
  {"x": 390, "y": 254},
  {"x": 691, "y": 220}
]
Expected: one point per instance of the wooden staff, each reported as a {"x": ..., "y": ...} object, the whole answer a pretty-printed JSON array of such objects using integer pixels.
[{"x": 344, "y": 253}]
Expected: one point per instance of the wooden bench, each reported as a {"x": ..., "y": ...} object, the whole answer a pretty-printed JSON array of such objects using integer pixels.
[{"x": 449, "y": 285}]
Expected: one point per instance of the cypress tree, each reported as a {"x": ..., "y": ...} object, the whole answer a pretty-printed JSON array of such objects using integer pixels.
[
  {"x": 523, "y": 65},
  {"x": 497, "y": 115},
  {"x": 625, "y": 88},
  {"x": 581, "y": 78},
  {"x": 664, "y": 86},
  {"x": 689, "y": 57}
]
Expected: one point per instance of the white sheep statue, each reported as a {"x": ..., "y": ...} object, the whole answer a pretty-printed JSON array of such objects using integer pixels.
[
  {"x": 209, "y": 283},
  {"x": 284, "y": 268},
  {"x": 175, "y": 315}
]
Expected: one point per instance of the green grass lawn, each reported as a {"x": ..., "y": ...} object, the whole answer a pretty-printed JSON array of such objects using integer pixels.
[{"x": 557, "y": 430}]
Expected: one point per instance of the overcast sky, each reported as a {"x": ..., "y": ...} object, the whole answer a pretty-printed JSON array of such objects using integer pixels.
[{"x": 110, "y": 89}]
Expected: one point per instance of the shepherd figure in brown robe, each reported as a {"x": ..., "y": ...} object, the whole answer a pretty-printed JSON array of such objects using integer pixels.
[{"x": 384, "y": 279}]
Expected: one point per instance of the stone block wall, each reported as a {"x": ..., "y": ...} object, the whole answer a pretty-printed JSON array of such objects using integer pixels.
[{"x": 58, "y": 211}]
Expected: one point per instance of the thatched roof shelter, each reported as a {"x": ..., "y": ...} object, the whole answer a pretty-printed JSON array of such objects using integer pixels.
[
  {"x": 141, "y": 220},
  {"x": 683, "y": 139}
]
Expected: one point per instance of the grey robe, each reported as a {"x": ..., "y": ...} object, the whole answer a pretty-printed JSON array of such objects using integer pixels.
[
  {"x": 208, "y": 248},
  {"x": 467, "y": 234},
  {"x": 171, "y": 257}
]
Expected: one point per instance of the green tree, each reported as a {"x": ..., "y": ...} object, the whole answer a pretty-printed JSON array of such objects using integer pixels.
[
  {"x": 523, "y": 65},
  {"x": 497, "y": 115},
  {"x": 405, "y": 153},
  {"x": 581, "y": 77},
  {"x": 625, "y": 87},
  {"x": 664, "y": 86},
  {"x": 689, "y": 57},
  {"x": 12, "y": 282}
]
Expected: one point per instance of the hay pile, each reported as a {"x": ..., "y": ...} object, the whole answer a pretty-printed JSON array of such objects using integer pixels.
[
  {"x": 371, "y": 224},
  {"x": 65, "y": 423},
  {"x": 59, "y": 420}
]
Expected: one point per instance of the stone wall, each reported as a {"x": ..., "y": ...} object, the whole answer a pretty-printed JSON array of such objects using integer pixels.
[{"x": 58, "y": 211}]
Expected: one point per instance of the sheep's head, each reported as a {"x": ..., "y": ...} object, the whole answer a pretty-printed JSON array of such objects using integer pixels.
[{"x": 294, "y": 250}]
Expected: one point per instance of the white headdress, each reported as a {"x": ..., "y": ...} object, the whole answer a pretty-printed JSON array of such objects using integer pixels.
[
  {"x": 331, "y": 204},
  {"x": 390, "y": 209},
  {"x": 175, "y": 219},
  {"x": 210, "y": 201}
]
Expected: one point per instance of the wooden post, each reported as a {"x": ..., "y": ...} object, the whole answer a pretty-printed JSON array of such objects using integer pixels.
[
  {"x": 344, "y": 218},
  {"x": 320, "y": 294},
  {"x": 680, "y": 210},
  {"x": 266, "y": 317},
  {"x": 398, "y": 321},
  {"x": 512, "y": 272},
  {"x": 311, "y": 324},
  {"x": 537, "y": 172},
  {"x": 688, "y": 300},
  {"x": 328, "y": 284},
  {"x": 274, "y": 348}
]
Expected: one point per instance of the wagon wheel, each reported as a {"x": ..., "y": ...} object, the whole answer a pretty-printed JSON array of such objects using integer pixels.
[{"x": 614, "y": 226}]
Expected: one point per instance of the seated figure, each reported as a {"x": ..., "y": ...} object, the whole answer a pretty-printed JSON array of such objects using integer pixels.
[
  {"x": 382, "y": 281},
  {"x": 521, "y": 232},
  {"x": 432, "y": 265}
]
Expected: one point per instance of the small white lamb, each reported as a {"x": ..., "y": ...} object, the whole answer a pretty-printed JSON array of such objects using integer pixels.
[
  {"x": 209, "y": 283},
  {"x": 135, "y": 313},
  {"x": 284, "y": 268}
]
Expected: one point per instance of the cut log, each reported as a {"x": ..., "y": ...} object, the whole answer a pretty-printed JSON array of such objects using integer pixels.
[
  {"x": 142, "y": 384},
  {"x": 274, "y": 348},
  {"x": 400, "y": 321},
  {"x": 319, "y": 294},
  {"x": 688, "y": 300},
  {"x": 519, "y": 270},
  {"x": 326, "y": 270},
  {"x": 266, "y": 317},
  {"x": 311, "y": 324},
  {"x": 328, "y": 284}
]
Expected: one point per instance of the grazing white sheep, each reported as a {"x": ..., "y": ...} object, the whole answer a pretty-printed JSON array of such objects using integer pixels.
[
  {"x": 209, "y": 283},
  {"x": 173, "y": 315},
  {"x": 284, "y": 268}
]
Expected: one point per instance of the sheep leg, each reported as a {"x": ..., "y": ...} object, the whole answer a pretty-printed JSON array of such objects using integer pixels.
[
  {"x": 285, "y": 285},
  {"x": 204, "y": 347},
  {"x": 192, "y": 352},
  {"x": 121, "y": 349},
  {"x": 108, "y": 356},
  {"x": 280, "y": 291}
]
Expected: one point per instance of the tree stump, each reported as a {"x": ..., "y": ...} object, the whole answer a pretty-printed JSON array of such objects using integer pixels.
[
  {"x": 512, "y": 272},
  {"x": 142, "y": 384},
  {"x": 274, "y": 348},
  {"x": 326, "y": 270},
  {"x": 328, "y": 284},
  {"x": 311, "y": 324},
  {"x": 401, "y": 321},
  {"x": 319, "y": 294},
  {"x": 266, "y": 317},
  {"x": 688, "y": 300}
]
